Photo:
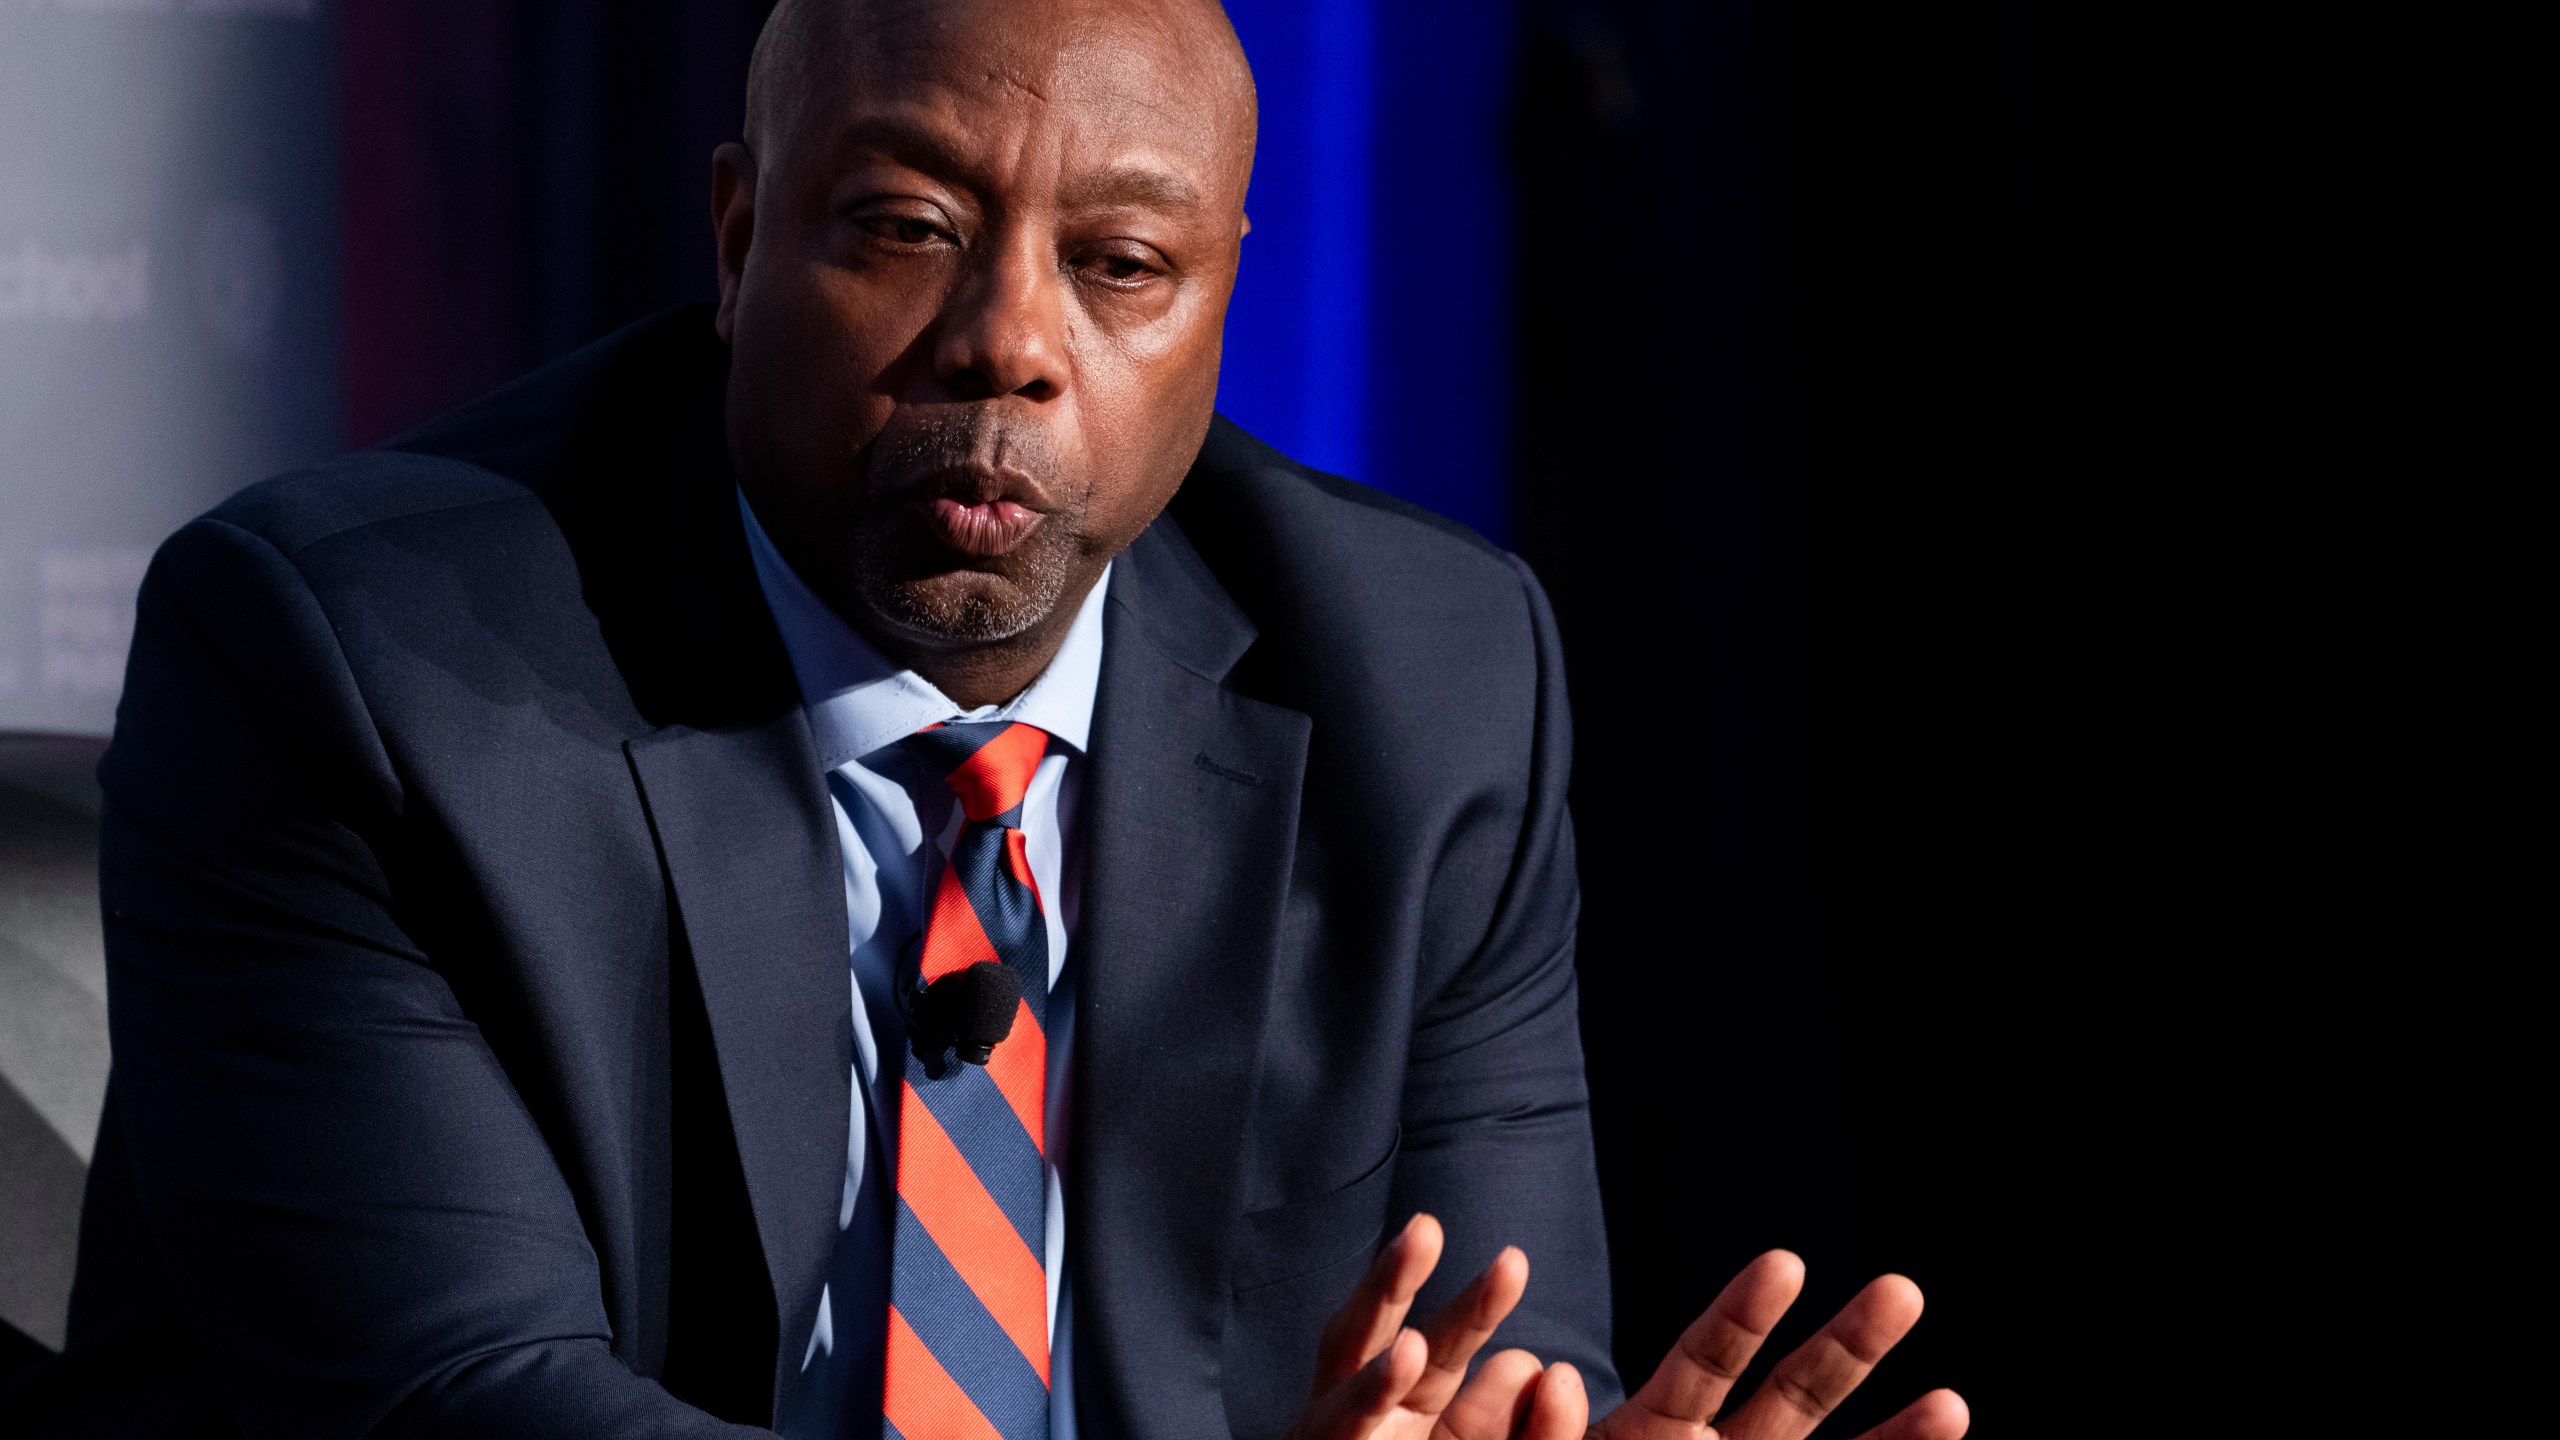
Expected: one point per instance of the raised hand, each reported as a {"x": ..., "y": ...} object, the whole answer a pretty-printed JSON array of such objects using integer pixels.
[
  {"x": 1688, "y": 1391},
  {"x": 1377, "y": 1379}
]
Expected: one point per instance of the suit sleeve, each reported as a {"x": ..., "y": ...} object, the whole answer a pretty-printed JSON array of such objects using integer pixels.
[
  {"x": 357, "y": 1213},
  {"x": 1497, "y": 1121}
]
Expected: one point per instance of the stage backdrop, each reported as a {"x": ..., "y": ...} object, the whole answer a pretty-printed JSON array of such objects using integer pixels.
[
  {"x": 1370, "y": 333},
  {"x": 168, "y": 304}
]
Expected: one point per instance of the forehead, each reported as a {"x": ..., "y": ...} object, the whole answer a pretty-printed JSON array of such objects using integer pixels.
[{"x": 1064, "y": 85}]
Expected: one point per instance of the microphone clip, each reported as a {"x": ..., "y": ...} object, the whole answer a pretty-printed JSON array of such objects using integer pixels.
[{"x": 969, "y": 1011}]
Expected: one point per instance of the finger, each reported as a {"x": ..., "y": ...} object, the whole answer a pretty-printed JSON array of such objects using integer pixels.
[
  {"x": 1691, "y": 1384},
  {"x": 1355, "y": 1408},
  {"x": 1561, "y": 1410},
  {"x": 1376, "y": 1309},
  {"x": 1817, "y": 1375},
  {"x": 1492, "y": 1405},
  {"x": 1462, "y": 1326},
  {"x": 1938, "y": 1415}
]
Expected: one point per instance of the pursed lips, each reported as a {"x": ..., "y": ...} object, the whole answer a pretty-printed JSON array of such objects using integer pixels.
[{"x": 984, "y": 528}]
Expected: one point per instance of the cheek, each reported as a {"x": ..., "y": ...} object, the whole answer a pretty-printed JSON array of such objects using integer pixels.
[
  {"x": 820, "y": 348},
  {"x": 877, "y": 315},
  {"x": 1147, "y": 394},
  {"x": 845, "y": 318},
  {"x": 1183, "y": 332},
  {"x": 1164, "y": 355}
]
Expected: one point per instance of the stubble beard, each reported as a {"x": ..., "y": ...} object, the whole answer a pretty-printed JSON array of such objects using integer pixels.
[
  {"x": 969, "y": 607},
  {"x": 908, "y": 580}
]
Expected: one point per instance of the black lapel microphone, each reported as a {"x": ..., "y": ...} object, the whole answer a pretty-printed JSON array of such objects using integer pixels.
[{"x": 969, "y": 1010}]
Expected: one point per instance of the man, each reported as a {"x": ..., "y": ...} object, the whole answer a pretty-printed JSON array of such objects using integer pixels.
[{"x": 862, "y": 864}]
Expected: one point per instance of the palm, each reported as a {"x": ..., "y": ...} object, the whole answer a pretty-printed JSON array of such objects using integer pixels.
[
  {"x": 1687, "y": 1393},
  {"x": 1378, "y": 1380}
]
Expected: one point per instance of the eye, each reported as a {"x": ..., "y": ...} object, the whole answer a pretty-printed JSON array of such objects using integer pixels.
[
  {"x": 1123, "y": 265},
  {"x": 902, "y": 230}
]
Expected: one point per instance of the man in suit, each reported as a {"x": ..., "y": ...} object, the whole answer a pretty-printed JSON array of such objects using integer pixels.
[{"x": 860, "y": 863}]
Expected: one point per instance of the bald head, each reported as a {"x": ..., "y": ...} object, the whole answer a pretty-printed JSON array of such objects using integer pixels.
[
  {"x": 975, "y": 259},
  {"x": 811, "y": 48}
]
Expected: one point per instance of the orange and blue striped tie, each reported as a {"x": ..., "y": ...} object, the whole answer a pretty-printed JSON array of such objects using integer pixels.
[{"x": 968, "y": 1338}]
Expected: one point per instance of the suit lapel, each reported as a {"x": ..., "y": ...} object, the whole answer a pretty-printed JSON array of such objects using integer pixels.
[
  {"x": 645, "y": 495},
  {"x": 744, "y": 826},
  {"x": 1193, "y": 822}
]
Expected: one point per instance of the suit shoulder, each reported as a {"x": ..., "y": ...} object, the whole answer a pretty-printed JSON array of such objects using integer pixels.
[
  {"x": 1342, "y": 512},
  {"x": 301, "y": 508},
  {"x": 508, "y": 445},
  {"x": 1284, "y": 537},
  {"x": 1346, "y": 582}
]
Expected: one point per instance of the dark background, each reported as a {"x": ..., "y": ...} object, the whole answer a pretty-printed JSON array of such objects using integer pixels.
[
  {"x": 1792, "y": 477},
  {"x": 1785, "y": 434}
]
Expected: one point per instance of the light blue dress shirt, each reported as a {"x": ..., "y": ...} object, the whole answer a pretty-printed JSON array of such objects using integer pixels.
[{"x": 895, "y": 823}]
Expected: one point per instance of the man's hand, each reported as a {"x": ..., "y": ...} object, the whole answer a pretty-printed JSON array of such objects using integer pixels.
[
  {"x": 1688, "y": 1391},
  {"x": 1378, "y": 1380}
]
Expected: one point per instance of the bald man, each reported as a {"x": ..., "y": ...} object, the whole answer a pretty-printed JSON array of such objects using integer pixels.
[{"x": 859, "y": 863}]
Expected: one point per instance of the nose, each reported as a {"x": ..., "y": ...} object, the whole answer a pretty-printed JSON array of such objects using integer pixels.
[{"x": 1004, "y": 326}]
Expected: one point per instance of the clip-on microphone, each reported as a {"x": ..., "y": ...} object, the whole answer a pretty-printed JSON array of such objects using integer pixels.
[{"x": 969, "y": 1010}]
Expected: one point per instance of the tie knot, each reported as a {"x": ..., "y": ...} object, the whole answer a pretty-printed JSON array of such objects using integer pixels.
[{"x": 987, "y": 763}]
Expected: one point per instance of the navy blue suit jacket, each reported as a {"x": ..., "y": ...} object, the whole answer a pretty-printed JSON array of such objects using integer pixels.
[{"x": 476, "y": 946}]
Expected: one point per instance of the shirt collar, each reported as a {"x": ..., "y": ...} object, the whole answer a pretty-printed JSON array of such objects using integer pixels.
[{"x": 859, "y": 700}]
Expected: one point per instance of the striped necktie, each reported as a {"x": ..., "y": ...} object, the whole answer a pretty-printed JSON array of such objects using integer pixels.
[{"x": 967, "y": 1356}]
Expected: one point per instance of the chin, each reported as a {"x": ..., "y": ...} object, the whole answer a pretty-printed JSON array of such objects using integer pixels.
[{"x": 965, "y": 607}]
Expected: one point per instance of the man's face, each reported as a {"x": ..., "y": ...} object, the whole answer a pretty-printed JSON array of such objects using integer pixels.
[{"x": 974, "y": 291}]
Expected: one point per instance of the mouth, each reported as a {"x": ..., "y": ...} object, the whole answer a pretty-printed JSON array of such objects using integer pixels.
[
  {"x": 978, "y": 483},
  {"x": 984, "y": 528}
]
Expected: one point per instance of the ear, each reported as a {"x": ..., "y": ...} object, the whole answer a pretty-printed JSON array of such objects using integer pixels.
[{"x": 733, "y": 224}]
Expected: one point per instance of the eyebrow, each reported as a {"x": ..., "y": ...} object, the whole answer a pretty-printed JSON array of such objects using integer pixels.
[
  {"x": 1135, "y": 186},
  {"x": 924, "y": 149},
  {"x": 915, "y": 146}
]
